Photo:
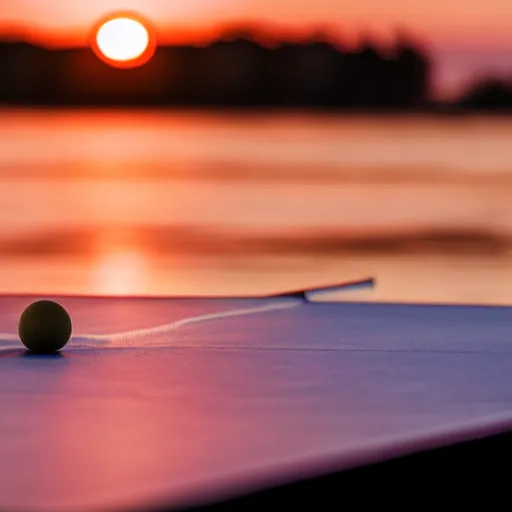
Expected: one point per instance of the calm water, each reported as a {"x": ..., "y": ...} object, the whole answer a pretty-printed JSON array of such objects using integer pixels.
[{"x": 154, "y": 203}]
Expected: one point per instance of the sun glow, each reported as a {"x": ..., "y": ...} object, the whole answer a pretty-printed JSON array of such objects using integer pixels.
[{"x": 124, "y": 41}]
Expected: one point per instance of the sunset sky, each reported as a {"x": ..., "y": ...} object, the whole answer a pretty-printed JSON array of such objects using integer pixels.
[{"x": 464, "y": 34}]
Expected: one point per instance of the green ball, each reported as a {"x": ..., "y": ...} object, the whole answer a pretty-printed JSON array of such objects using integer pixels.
[{"x": 44, "y": 327}]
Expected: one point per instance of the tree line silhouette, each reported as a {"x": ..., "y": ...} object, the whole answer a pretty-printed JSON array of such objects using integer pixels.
[
  {"x": 488, "y": 94},
  {"x": 234, "y": 71},
  {"x": 238, "y": 71}
]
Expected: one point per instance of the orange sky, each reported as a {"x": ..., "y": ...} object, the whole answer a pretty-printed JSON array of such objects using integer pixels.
[
  {"x": 485, "y": 21},
  {"x": 465, "y": 37}
]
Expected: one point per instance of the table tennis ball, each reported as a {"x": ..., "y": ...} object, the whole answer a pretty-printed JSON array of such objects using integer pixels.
[{"x": 44, "y": 327}]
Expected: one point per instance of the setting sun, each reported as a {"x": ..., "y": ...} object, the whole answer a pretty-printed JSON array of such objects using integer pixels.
[{"x": 123, "y": 41}]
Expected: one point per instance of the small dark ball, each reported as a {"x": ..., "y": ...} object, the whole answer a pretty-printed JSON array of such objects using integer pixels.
[{"x": 44, "y": 327}]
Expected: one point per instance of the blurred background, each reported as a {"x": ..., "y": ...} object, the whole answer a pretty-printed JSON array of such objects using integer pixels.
[{"x": 258, "y": 146}]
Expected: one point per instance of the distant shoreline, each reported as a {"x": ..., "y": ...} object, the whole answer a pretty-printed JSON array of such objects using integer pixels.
[
  {"x": 238, "y": 73},
  {"x": 435, "y": 111}
]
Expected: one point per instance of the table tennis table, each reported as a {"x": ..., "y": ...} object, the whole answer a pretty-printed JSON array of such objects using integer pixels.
[{"x": 183, "y": 403}]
